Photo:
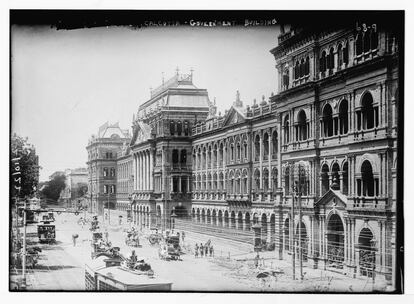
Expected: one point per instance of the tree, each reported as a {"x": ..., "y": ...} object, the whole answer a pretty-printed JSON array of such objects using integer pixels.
[
  {"x": 24, "y": 168},
  {"x": 53, "y": 188},
  {"x": 81, "y": 189}
]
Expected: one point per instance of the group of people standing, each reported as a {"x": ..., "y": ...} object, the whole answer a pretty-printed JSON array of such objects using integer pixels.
[{"x": 204, "y": 250}]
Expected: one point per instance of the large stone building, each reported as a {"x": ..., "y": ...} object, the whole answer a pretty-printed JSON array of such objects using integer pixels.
[
  {"x": 327, "y": 142},
  {"x": 102, "y": 151},
  {"x": 75, "y": 180}
]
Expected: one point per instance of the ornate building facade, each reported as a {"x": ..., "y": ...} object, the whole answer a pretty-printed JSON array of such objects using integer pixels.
[
  {"x": 336, "y": 112},
  {"x": 327, "y": 142},
  {"x": 102, "y": 165}
]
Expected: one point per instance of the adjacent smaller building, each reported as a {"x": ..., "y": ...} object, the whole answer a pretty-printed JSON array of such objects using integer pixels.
[
  {"x": 102, "y": 150},
  {"x": 76, "y": 186}
]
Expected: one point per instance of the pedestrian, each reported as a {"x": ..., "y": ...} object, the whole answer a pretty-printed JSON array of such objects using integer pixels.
[
  {"x": 74, "y": 237},
  {"x": 256, "y": 260},
  {"x": 211, "y": 251},
  {"x": 206, "y": 250},
  {"x": 201, "y": 250},
  {"x": 196, "y": 251}
]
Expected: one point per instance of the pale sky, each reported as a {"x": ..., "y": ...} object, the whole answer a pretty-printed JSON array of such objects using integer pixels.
[{"x": 67, "y": 83}]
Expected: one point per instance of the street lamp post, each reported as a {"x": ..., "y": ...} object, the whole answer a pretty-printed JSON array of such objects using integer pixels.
[{"x": 173, "y": 216}]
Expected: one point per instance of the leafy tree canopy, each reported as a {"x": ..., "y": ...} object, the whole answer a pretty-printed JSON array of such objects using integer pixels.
[
  {"x": 24, "y": 164},
  {"x": 53, "y": 188}
]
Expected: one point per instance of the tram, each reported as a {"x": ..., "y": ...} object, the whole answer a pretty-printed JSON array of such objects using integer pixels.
[
  {"x": 104, "y": 273},
  {"x": 46, "y": 233}
]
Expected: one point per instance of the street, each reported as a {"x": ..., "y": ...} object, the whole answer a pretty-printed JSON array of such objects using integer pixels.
[{"x": 61, "y": 265}]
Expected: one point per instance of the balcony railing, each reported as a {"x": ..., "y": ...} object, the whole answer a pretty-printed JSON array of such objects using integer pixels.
[{"x": 369, "y": 203}]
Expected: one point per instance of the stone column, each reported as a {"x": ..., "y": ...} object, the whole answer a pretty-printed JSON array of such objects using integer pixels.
[
  {"x": 145, "y": 173},
  {"x": 140, "y": 171},
  {"x": 270, "y": 180},
  {"x": 135, "y": 165},
  {"x": 341, "y": 181},
  {"x": 151, "y": 169}
]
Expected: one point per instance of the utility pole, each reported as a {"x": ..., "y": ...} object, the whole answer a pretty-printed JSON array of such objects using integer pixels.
[
  {"x": 300, "y": 171},
  {"x": 24, "y": 248},
  {"x": 292, "y": 229}
]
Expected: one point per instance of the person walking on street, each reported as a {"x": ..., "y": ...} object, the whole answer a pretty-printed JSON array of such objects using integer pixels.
[
  {"x": 211, "y": 251},
  {"x": 74, "y": 237},
  {"x": 196, "y": 250},
  {"x": 206, "y": 250},
  {"x": 201, "y": 250}
]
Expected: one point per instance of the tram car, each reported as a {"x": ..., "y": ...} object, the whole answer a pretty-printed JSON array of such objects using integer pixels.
[
  {"x": 104, "y": 273},
  {"x": 46, "y": 233}
]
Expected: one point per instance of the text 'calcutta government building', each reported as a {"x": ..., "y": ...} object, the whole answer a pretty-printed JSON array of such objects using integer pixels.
[{"x": 328, "y": 138}]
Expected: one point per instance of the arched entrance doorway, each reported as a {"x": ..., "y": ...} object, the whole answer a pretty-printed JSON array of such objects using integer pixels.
[
  {"x": 264, "y": 230},
  {"x": 240, "y": 221},
  {"x": 180, "y": 211},
  {"x": 303, "y": 240},
  {"x": 232, "y": 220},
  {"x": 247, "y": 221},
  {"x": 214, "y": 217},
  {"x": 198, "y": 215},
  {"x": 366, "y": 252},
  {"x": 226, "y": 219},
  {"x": 220, "y": 218},
  {"x": 208, "y": 217},
  {"x": 335, "y": 238}
]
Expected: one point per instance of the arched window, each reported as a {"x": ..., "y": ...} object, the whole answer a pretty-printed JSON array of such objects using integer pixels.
[
  {"x": 369, "y": 113},
  {"x": 345, "y": 55},
  {"x": 285, "y": 79},
  {"x": 367, "y": 41},
  {"x": 331, "y": 61},
  {"x": 322, "y": 62},
  {"x": 343, "y": 117},
  {"x": 186, "y": 128},
  {"x": 324, "y": 178},
  {"x": 274, "y": 180},
  {"x": 345, "y": 178},
  {"x": 335, "y": 174},
  {"x": 172, "y": 127},
  {"x": 105, "y": 172},
  {"x": 266, "y": 146},
  {"x": 238, "y": 151},
  {"x": 275, "y": 148},
  {"x": 257, "y": 180},
  {"x": 302, "y": 129},
  {"x": 327, "y": 121},
  {"x": 179, "y": 128},
  {"x": 265, "y": 180},
  {"x": 358, "y": 43},
  {"x": 245, "y": 149},
  {"x": 183, "y": 156},
  {"x": 374, "y": 37},
  {"x": 302, "y": 67},
  {"x": 221, "y": 153},
  {"x": 340, "y": 56},
  {"x": 307, "y": 68},
  {"x": 287, "y": 181},
  {"x": 367, "y": 176},
  {"x": 231, "y": 152},
  {"x": 257, "y": 148},
  {"x": 297, "y": 70},
  {"x": 286, "y": 130}
]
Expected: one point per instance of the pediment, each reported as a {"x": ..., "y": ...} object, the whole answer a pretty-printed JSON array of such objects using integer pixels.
[
  {"x": 234, "y": 116},
  {"x": 332, "y": 199},
  {"x": 141, "y": 134}
]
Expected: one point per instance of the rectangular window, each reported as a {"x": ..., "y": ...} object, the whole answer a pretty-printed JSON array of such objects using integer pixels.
[{"x": 106, "y": 189}]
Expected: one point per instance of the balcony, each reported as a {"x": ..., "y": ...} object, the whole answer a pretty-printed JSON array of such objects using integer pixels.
[
  {"x": 374, "y": 133},
  {"x": 363, "y": 203},
  {"x": 339, "y": 139}
]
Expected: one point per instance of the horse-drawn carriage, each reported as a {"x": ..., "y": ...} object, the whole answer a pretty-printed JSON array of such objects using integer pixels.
[
  {"x": 170, "y": 248},
  {"x": 99, "y": 245},
  {"x": 132, "y": 238}
]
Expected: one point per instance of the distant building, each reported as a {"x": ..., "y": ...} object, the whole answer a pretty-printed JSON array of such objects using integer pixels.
[
  {"x": 75, "y": 179},
  {"x": 102, "y": 165},
  {"x": 55, "y": 174}
]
